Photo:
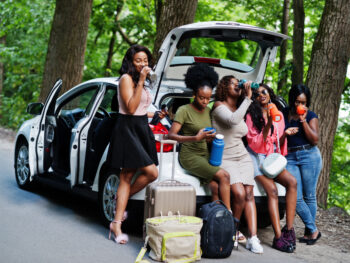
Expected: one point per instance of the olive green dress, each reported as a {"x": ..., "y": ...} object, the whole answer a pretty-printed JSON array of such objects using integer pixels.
[{"x": 194, "y": 156}]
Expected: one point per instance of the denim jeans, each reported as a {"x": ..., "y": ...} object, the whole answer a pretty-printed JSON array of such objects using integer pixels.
[{"x": 305, "y": 166}]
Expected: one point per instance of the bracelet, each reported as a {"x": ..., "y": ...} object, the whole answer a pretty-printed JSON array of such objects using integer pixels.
[{"x": 303, "y": 121}]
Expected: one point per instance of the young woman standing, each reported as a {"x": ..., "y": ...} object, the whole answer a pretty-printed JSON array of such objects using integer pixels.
[
  {"x": 132, "y": 144},
  {"x": 304, "y": 158}
]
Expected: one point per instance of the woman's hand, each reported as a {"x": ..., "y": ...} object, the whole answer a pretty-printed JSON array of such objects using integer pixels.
[
  {"x": 164, "y": 112},
  {"x": 207, "y": 135},
  {"x": 248, "y": 89},
  {"x": 144, "y": 72},
  {"x": 302, "y": 117},
  {"x": 291, "y": 131}
]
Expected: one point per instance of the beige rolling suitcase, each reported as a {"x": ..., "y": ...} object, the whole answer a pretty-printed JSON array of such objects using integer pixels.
[{"x": 169, "y": 196}]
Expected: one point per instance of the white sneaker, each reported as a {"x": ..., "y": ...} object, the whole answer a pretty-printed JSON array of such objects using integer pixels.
[{"x": 253, "y": 244}]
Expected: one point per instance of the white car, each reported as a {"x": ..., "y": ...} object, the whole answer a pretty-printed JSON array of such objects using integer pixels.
[{"x": 66, "y": 143}]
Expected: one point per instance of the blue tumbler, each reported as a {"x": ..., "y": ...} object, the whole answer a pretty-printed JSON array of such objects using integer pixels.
[{"x": 217, "y": 149}]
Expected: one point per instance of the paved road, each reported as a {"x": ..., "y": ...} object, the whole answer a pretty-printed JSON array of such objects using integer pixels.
[{"x": 47, "y": 225}]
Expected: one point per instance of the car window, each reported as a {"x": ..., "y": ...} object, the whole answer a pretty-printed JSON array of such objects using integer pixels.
[
  {"x": 79, "y": 103},
  {"x": 241, "y": 54},
  {"x": 242, "y": 51},
  {"x": 110, "y": 101}
]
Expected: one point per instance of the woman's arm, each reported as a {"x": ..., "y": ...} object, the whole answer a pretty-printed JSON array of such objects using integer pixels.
[
  {"x": 131, "y": 95},
  {"x": 176, "y": 127},
  {"x": 311, "y": 130},
  {"x": 288, "y": 132},
  {"x": 224, "y": 115}
]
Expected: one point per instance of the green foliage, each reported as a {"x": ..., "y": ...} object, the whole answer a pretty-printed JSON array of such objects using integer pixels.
[
  {"x": 26, "y": 28},
  {"x": 137, "y": 20},
  {"x": 339, "y": 184}
]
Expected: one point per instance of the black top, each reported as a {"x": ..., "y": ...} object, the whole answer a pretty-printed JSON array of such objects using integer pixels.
[{"x": 299, "y": 138}]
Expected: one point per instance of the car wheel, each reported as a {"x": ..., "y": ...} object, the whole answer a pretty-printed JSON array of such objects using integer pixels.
[
  {"x": 22, "y": 170},
  {"x": 106, "y": 195}
]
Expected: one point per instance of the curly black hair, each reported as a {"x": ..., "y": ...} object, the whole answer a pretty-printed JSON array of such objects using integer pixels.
[
  {"x": 200, "y": 75},
  {"x": 255, "y": 109},
  {"x": 221, "y": 91},
  {"x": 128, "y": 67}
]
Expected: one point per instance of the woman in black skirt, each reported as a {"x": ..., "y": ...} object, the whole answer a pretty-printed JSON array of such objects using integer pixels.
[{"x": 132, "y": 144}]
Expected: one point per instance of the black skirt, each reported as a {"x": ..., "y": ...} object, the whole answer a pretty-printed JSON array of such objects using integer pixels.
[{"x": 132, "y": 143}]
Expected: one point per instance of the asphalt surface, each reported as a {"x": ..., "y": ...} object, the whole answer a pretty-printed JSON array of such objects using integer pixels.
[{"x": 48, "y": 225}]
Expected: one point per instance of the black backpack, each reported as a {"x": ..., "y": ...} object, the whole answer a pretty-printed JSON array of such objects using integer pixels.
[{"x": 217, "y": 231}]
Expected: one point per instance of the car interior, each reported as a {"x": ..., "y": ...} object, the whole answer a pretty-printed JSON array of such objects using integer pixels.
[{"x": 68, "y": 114}]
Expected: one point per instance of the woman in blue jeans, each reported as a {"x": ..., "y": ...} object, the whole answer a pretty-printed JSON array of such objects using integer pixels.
[{"x": 304, "y": 158}]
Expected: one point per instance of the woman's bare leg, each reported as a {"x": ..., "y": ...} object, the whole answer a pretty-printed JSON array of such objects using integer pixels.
[
  {"x": 223, "y": 179},
  {"x": 122, "y": 198},
  {"x": 214, "y": 187},
  {"x": 250, "y": 210},
  {"x": 272, "y": 202},
  {"x": 147, "y": 176},
  {"x": 239, "y": 197},
  {"x": 290, "y": 183}
]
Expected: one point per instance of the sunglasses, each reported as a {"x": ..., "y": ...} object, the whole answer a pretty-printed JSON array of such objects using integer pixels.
[{"x": 263, "y": 92}]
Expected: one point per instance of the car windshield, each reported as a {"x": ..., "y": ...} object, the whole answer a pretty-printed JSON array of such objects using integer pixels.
[{"x": 241, "y": 55}]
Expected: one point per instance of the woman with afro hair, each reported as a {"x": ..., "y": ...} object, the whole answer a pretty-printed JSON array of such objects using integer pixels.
[
  {"x": 191, "y": 119},
  {"x": 231, "y": 105}
]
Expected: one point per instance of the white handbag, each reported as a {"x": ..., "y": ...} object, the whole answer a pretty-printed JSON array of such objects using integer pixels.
[{"x": 274, "y": 163}]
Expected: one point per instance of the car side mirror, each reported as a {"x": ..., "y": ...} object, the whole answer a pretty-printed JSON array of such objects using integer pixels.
[{"x": 35, "y": 108}]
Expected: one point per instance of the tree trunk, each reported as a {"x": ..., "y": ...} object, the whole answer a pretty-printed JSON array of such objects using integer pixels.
[
  {"x": 298, "y": 42},
  {"x": 327, "y": 71},
  {"x": 283, "y": 51},
  {"x": 173, "y": 13},
  {"x": 67, "y": 44}
]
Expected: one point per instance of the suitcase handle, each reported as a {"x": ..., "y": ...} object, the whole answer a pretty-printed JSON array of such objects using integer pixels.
[{"x": 162, "y": 142}]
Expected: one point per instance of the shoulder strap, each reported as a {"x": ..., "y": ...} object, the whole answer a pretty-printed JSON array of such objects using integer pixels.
[{"x": 139, "y": 258}]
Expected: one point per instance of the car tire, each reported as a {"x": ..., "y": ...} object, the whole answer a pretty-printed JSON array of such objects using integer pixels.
[
  {"x": 22, "y": 170},
  {"x": 108, "y": 187}
]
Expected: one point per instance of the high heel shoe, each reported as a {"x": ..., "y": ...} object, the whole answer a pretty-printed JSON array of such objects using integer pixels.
[{"x": 121, "y": 238}]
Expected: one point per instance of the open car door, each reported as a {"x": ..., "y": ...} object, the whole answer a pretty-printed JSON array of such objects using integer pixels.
[
  {"x": 78, "y": 146},
  {"x": 42, "y": 142}
]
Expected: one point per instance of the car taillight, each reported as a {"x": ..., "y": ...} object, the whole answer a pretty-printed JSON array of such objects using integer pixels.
[
  {"x": 207, "y": 60},
  {"x": 159, "y": 131}
]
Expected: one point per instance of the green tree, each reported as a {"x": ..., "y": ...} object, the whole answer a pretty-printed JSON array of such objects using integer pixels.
[
  {"x": 27, "y": 29},
  {"x": 326, "y": 78}
]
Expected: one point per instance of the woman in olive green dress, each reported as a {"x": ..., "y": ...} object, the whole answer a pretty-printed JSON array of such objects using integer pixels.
[{"x": 191, "y": 119}]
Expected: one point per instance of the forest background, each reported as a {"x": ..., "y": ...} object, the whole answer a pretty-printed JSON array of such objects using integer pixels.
[{"x": 115, "y": 25}]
